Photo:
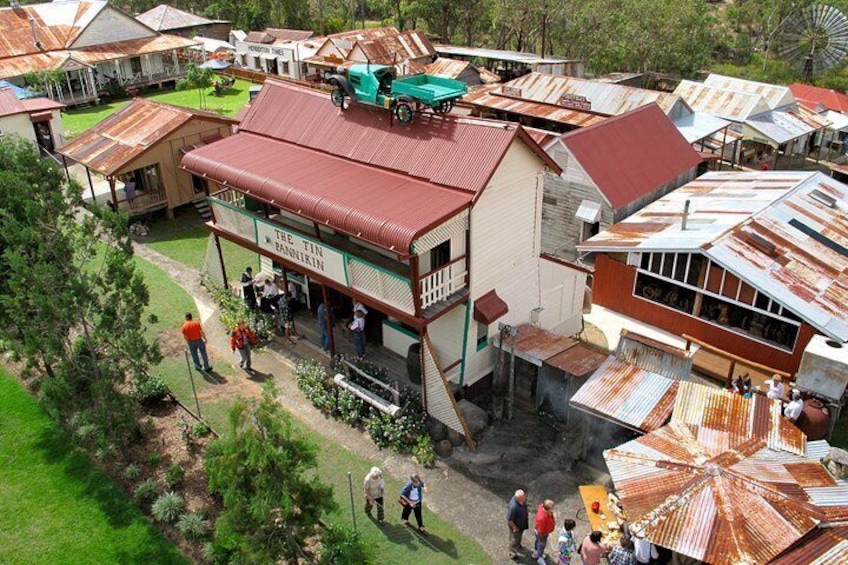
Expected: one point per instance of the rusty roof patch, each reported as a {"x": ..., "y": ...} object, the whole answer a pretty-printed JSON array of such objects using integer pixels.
[
  {"x": 826, "y": 546},
  {"x": 722, "y": 500},
  {"x": 115, "y": 142}
]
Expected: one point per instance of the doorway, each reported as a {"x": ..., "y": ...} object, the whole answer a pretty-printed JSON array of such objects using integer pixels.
[{"x": 44, "y": 136}]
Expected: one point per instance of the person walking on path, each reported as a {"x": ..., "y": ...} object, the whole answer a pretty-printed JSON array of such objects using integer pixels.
[
  {"x": 566, "y": 544},
  {"x": 544, "y": 524},
  {"x": 411, "y": 498},
  {"x": 517, "y": 519},
  {"x": 196, "y": 339},
  {"x": 375, "y": 487},
  {"x": 248, "y": 290},
  {"x": 243, "y": 339},
  {"x": 622, "y": 554},
  {"x": 324, "y": 325},
  {"x": 357, "y": 326},
  {"x": 591, "y": 550}
]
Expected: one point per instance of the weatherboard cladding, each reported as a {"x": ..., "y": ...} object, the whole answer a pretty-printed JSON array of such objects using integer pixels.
[
  {"x": 454, "y": 152},
  {"x": 647, "y": 149}
]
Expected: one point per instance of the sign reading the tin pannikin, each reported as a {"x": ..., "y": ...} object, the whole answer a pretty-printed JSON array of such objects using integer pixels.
[{"x": 308, "y": 253}]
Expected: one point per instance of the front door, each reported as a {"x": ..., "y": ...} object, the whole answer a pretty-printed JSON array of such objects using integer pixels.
[{"x": 44, "y": 136}]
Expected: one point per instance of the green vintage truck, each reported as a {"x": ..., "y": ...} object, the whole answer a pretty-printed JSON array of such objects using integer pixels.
[{"x": 376, "y": 85}]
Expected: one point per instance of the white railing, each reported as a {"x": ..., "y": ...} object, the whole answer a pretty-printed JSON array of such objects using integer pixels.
[
  {"x": 441, "y": 283},
  {"x": 383, "y": 285}
]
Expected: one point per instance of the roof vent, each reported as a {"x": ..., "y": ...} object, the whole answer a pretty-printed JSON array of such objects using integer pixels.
[
  {"x": 35, "y": 40},
  {"x": 823, "y": 198},
  {"x": 762, "y": 244}
]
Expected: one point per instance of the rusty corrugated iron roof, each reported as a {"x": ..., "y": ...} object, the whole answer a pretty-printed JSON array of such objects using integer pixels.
[
  {"x": 164, "y": 18},
  {"x": 484, "y": 98},
  {"x": 803, "y": 214},
  {"x": 538, "y": 346},
  {"x": 123, "y": 49},
  {"x": 436, "y": 149},
  {"x": 395, "y": 48},
  {"x": 823, "y": 546},
  {"x": 121, "y": 138},
  {"x": 733, "y": 105},
  {"x": 57, "y": 25},
  {"x": 627, "y": 395},
  {"x": 775, "y": 95},
  {"x": 11, "y": 105},
  {"x": 604, "y": 98},
  {"x": 737, "y": 418},
  {"x": 448, "y": 68},
  {"x": 688, "y": 492},
  {"x": 374, "y": 205}
]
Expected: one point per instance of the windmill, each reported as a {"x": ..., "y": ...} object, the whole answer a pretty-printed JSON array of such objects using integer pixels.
[{"x": 815, "y": 39}]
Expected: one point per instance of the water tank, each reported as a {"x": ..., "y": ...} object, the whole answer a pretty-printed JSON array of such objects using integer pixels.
[{"x": 814, "y": 420}]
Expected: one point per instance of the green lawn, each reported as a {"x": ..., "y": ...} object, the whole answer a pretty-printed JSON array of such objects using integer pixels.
[
  {"x": 55, "y": 505},
  {"x": 393, "y": 543},
  {"x": 184, "y": 239},
  {"x": 78, "y": 120}
]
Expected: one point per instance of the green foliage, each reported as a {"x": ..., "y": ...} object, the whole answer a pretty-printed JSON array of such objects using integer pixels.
[
  {"x": 233, "y": 309},
  {"x": 168, "y": 507},
  {"x": 197, "y": 78},
  {"x": 342, "y": 545},
  {"x": 132, "y": 472},
  {"x": 146, "y": 494},
  {"x": 200, "y": 429},
  {"x": 264, "y": 473},
  {"x": 150, "y": 390},
  {"x": 193, "y": 527},
  {"x": 153, "y": 459},
  {"x": 317, "y": 385},
  {"x": 175, "y": 477},
  {"x": 424, "y": 451},
  {"x": 70, "y": 298},
  {"x": 350, "y": 408},
  {"x": 772, "y": 71}
]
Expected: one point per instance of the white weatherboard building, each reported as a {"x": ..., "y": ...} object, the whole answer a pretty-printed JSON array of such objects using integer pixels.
[{"x": 435, "y": 226}]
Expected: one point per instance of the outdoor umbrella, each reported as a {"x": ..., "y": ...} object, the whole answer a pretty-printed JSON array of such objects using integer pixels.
[
  {"x": 215, "y": 65},
  {"x": 711, "y": 493}
]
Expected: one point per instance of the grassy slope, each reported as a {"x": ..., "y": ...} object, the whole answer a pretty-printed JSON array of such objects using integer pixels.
[
  {"x": 78, "y": 120},
  {"x": 393, "y": 544},
  {"x": 55, "y": 506}
]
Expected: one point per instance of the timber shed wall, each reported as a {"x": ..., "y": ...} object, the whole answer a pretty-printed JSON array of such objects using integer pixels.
[{"x": 613, "y": 288}]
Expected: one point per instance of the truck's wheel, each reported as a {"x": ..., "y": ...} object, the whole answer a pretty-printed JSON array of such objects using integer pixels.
[
  {"x": 444, "y": 107},
  {"x": 404, "y": 113},
  {"x": 337, "y": 97}
]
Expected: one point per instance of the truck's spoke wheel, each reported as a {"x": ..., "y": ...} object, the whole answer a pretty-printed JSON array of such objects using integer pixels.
[
  {"x": 337, "y": 96},
  {"x": 404, "y": 113}
]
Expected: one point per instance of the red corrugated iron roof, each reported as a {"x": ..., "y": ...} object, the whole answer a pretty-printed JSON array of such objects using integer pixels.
[
  {"x": 41, "y": 104},
  {"x": 647, "y": 149},
  {"x": 724, "y": 506},
  {"x": 122, "y": 137},
  {"x": 461, "y": 153},
  {"x": 824, "y": 546},
  {"x": 384, "y": 208},
  {"x": 827, "y": 97},
  {"x": 9, "y": 103}
]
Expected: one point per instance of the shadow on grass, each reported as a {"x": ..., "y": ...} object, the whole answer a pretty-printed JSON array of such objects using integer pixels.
[
  {"x": 213, "y": 377},
  {"x": 259, "y": 376},
  {"x": 404, "y": 535},
  {"x": 58, "y": 450}
]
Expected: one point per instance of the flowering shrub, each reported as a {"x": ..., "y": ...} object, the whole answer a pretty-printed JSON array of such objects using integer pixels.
[
  {"x": 233, "y": 309},
  {"x": 405, "y": 434}
]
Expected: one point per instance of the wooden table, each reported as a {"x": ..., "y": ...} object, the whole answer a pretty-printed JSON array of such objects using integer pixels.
[{"x": 600, "y": 521}]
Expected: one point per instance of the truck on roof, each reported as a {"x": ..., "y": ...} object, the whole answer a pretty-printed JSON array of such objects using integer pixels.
[{"x": 377, "y": 85}]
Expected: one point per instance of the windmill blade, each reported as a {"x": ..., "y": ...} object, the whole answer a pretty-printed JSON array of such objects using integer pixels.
[{"x": 815, "y": 38}]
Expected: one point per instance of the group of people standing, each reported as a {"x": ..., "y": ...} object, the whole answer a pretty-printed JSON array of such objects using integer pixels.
[
  {"x": 273, "y": 301},
  {"x": 630, "y": 551},
  {"x": 741, "y": 384}
]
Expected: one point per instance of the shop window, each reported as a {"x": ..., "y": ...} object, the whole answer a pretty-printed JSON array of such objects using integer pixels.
[
  {"x": 665, "y": 293},
  {"x": 482, "y": 336},
  {"x": 284, "y": 69},
  {"x": 743, "y": 320}
]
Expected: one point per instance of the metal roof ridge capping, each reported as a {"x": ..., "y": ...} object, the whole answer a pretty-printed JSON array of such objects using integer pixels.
[{"x": 435, "y": 149}]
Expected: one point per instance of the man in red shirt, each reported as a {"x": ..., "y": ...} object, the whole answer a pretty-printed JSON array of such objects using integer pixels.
[
  {"x": 196, "y": 339},
  {"x": 544, "y": 525}
]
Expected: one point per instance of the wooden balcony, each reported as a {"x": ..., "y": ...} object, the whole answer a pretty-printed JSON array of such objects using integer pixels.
[{"x": 342, "y": 260}]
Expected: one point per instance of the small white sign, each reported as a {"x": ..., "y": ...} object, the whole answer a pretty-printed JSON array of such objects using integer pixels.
[{"x": 302, "y": 251}]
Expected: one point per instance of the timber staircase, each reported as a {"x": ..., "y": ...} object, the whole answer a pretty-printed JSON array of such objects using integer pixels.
[{"x": 202, "y": 206}]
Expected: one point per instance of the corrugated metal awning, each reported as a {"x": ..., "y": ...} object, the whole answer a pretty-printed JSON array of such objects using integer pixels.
[
  {"x": 489, "y": 307},
  {"x": 589, "y": 212}
]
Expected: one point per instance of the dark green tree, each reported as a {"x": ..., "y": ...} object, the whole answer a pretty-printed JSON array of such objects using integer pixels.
[
  {"x": 263, "y": 472},
  {"x": 197, "y": 78},
  {"x": 71, "y": 300}
]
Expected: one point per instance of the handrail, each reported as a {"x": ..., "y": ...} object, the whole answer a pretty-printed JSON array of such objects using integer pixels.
[{"x": 445, "y": 266}]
